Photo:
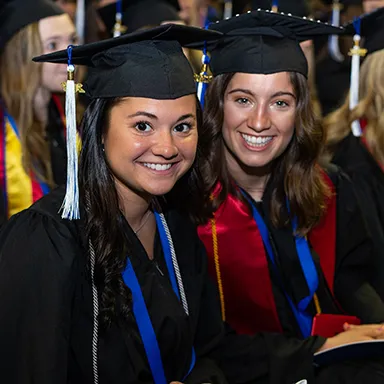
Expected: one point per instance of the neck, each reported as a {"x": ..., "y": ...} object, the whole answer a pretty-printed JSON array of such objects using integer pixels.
[
  {"x": 40, "y": 105},
  {"x": 253, "y": 180},
  {"x": 134, "y": 207}
]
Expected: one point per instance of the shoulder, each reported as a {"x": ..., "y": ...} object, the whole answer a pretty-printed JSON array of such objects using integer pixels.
[{"x": 39, "y": 235}]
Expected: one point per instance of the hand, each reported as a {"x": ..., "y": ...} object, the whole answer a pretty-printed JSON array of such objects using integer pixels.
[
  {"x": 348, "y": 327},
  {"x": 355, "y": 333}
]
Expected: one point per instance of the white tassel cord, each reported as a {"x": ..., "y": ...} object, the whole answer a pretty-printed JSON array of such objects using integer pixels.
[
  {"x": 118, "y": 25},
  {"x": 80, "y": 20},
  {"x": 333, "y": 41},
  {"x": 356, "y": 52},
  {"x": 227, "y": 9},
  {"x": 70, "y": 205}
]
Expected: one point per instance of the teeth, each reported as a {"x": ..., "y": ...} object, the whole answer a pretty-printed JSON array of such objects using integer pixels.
[
  {"x": 257, "y": 141},
  {"x": 158, "y": 167}
]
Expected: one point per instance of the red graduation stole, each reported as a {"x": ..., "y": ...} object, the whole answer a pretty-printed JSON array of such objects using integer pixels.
[{"x": 239, "y": 264}]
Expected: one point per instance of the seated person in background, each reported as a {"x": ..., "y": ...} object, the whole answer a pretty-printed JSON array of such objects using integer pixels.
[{"x": 32, "y": 131}]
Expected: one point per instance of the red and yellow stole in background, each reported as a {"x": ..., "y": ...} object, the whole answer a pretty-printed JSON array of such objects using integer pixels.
[
  {"x": 20, "y": 189},
  {"x": 239, "y": 264}
]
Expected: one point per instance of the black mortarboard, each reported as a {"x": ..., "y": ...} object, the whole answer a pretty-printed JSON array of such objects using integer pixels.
[
  {"x": 295, "y": 7},
  {"x": 371, "y": 29},
  {"x": 17, "y": 14},
  {"x": 264, "y": 42},
  {"x": 148, "y": 63},
  {"x": 138, "y": 14}
]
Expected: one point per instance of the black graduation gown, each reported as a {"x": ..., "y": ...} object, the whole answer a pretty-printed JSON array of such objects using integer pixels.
[
  {"x": 352, "y": 289},
  {"x": 368, "y": 179},
  {"x": 46, "y": 313}
]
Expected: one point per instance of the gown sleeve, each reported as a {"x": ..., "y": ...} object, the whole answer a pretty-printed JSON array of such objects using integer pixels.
[
  {"x": 37, "y": 263},
  {"x": 262, "y": 358},
  {"x": 354, "y": 251}
]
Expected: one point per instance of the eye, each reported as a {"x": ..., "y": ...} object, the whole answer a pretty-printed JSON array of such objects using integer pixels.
[
  {"x": 281, "y": 104},
  {"x": 74, "y": 40},
  {"x": 52, "y": 46},
  {"x": 242, "y": 100},
  {"x": 183, "y": 127},
  {"x": 143, "y": 126}
]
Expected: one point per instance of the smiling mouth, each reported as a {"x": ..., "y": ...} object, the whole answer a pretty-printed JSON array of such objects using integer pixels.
[
  {"x": 257, "y": 141},
  {"x": 158, "y": 166}
]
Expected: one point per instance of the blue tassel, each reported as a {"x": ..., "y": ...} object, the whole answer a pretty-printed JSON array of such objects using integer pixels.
[
  {"x": 119, "y": 6},
  {"x": 357, "y": 25}
]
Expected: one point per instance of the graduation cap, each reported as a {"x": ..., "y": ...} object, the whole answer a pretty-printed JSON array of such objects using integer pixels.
[
  {"x": 137, "y": 14},
  {"x": 371, "y": 27},
  {"x": 17, "y": 14},
  {"x": 264, "y": 42},
  {"x": 148, "y": 63}
]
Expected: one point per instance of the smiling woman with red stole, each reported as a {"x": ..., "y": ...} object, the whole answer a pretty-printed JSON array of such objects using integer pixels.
[{"x": 285, "y": 238}]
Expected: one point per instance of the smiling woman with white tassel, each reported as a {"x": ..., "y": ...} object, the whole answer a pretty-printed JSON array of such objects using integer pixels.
[{"x": 122, "y": 295}]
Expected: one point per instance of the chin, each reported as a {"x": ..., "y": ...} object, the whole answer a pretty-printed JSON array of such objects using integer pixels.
[{"x": 159, "y": 190}]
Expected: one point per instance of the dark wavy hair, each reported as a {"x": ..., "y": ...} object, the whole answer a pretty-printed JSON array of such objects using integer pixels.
[
  {"x": 295, "y": 174},
  {"x": 104, "y": 222}
]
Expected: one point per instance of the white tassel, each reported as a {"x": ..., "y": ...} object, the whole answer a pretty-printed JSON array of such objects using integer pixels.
[
  {"x": 355, "y": 52},
  {"x": 118, "y": 25},
  {"x": 333, "y": 41},
  {"x": 70, "y": 207},
  {"x": 227, "y": 9},
  {"x": 80, "y": 20}
]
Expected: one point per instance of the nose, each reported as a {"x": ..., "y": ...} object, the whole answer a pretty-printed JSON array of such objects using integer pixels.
[
  {"x": 259, "y": 118},
  {"x": 165, "y": 145}
]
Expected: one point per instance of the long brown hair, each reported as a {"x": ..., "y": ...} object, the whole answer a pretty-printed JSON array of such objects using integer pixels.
[
  {"x": 20, "y": 80},
  {"x": 337, "y": 125},
  {"x": 295, "y": 174}
]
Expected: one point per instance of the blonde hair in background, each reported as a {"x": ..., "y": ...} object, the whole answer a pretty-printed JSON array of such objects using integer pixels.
[
  {"x": 20, "y": 79},
  {"x": 371, "y": 107}
]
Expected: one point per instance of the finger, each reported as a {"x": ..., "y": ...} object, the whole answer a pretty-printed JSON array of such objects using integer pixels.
[
  {"x": 364, "y": 326},
  {"x": 346, "y": 326}
]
